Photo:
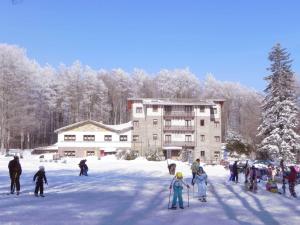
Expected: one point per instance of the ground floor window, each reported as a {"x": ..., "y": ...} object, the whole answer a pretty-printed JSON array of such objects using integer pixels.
[
  {"x": 202, "y": 153},
  {"x": 69, "y": 153},
  {"x": 90, "y": 153}
]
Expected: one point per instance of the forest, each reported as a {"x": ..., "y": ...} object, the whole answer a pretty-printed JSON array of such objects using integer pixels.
[{"x": 35, "y": 100}]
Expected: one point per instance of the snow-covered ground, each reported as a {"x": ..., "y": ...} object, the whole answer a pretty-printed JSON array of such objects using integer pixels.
[{"x": 118, "y": 192}]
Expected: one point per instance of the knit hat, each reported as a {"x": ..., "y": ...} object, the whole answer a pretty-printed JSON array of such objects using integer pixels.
[{"x": 179, "y": 175}]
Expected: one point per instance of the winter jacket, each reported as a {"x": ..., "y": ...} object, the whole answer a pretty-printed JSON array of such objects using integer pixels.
[
  {"x": 177, "y": 183},
  {"x": 292, "y": 177},
  {"x": 14, "y": 167},
  {"x": 235, "y": 168},
  {"x": 40, "y": 176},
  {"x": 195, "y": 167},
  {"x": 200, "y": 178}
]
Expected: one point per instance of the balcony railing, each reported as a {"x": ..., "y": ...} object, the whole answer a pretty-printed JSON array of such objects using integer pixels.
[
  {"x": 180, "y": 143},
  {"x": 179, "y": 128},
  {"x": 178, "y": 114}
]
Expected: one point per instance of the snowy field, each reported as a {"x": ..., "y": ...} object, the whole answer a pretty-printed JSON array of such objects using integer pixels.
[{"x": 120, "y": 192}]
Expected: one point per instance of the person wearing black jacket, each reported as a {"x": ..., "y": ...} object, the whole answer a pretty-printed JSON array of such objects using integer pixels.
[
  {"x": 235, "y": 172},
  {"x": 83, "y": 168},
  {"x": 15, "y": 171},
  {"x": 40, "y": 177}
]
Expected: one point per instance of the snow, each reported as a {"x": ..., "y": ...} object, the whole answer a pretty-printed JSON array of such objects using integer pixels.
[{"x": 134, "y": 192}]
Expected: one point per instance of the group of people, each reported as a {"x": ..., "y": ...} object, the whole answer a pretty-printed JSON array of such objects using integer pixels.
[
  {"x": 177, "y": 183},
  {"x": 15, "y": 171}
]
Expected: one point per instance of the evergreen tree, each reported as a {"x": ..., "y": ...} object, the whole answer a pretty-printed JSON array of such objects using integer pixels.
[{"x": 280, "y": 111}]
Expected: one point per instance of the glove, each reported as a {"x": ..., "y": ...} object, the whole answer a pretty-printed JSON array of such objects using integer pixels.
[
  {"x": 188, "y": 186},
  {"x": 170, "y": 187},
  {"x": 46, "y": 183},
  {"x": 205, "y": 182}
]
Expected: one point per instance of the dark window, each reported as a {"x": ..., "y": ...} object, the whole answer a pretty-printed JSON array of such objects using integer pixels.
[
  {"x": 107, "y": 138},
  {"x": 155, "y": 108},
  {"x": 69, "y": 153},
  {"x": 90, "y": 153},
  {"x": 136, "y": 123},
  {"x": 202, "y": 108},
  {"x": 217, "y": 124},
  {"x": 155, "y": 121},
  {"x": 89, "y": 137},
  {"x": 123, "y": 137},
  {"x": 217, "y": 138},
  {"x": 188, "y": 108},
  {"x": 202, "y": 137},
  {"x": 135, "y": 138},
  {"x": 139, "y": 110},
  {"x": 70, "y": 137},
  {"x": 202, "y": 153},
  {"x": 202, "y": 122},
  {"x": 154, "y": 137},
  {"x": 188, "y": 123},
  {"x": 188, "y": 138},
  {"x": 168, "y": 123},
  {"x": 168, "y": 138}
]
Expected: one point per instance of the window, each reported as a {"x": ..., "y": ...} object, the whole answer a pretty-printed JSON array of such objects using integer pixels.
[
  {"x": 123, "y": 137},
  {"x": 135, "y": 123},
  {"x": 135, "y": 138},
  {"x": 139, "y": 110},
  {"x": 215, "y": 111},
  {"x": 90, "y": 153},
  {"x": 155, "y": 108},
  {"x": 202, "y": 137},
  {"x": 168, "y": 123},
  {"x": 202, "y": 108},
  {"x": 217, "y": 124},
  {"x": 168, "y": 138},
  {"x": 202, "y": 153},
  {"x": 155, "y": 121},
  {"x": 202, "y": 123},
  {"x": 107, "y": 138},
  {"x": 89, "y": 137},
  {"x": 70, "y": 137},
  {"x": 188, "y": 138},
  {"x": 154, "y": 137},
  {"x": 188, "y": 108},
  {"x": 188, "y": 123},
  {"x": 69, "y": 153},
  {"x": 217, "y": 138}
]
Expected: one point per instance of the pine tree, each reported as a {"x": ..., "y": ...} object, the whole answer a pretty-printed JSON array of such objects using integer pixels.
[{"x": 280, "y": 111}]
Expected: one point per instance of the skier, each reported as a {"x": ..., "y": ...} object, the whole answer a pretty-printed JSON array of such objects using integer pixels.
[
  {"x": 40, "y": 177},
  {"x": 201, "y": 181},
  {"x": 253, "y": 179},
  {"x": 194, "y": 168},
  {"x": 83, "y": 168},
  {"x": 235, "y": 172},
  {"x": 292, "y": 177},
  {"x": 15, "y": 171},
  {"x": 177, "y": 184}
]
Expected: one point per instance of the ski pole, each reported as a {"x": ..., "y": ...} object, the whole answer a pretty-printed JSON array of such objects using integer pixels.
[
  {"x": 188, "y": 197},
  {"x": 169, "y": 198}
]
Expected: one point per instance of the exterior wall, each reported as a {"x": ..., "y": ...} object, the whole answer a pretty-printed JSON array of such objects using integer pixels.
[{"x": 178, "y": 132}]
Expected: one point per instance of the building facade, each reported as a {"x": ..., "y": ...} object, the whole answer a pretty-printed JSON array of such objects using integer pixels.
[
  {"x": 91, "y": 138},
  {"x": 186, "y": 127}
]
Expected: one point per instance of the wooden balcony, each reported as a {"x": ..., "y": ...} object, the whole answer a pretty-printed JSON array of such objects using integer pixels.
[
  {"x": 181, "y": 114},
  {"x": 179, "y": 128},
  {"x": 180, "y": 143}
]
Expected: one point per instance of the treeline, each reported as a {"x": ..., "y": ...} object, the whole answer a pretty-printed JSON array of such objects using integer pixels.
[{"x": 35, "y": 100}]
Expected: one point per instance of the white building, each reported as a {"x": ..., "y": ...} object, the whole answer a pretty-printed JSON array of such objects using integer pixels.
[{"x": 91, "y": 138}]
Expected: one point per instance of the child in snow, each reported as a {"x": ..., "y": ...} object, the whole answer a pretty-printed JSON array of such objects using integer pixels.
[
  {"x": 177, "y": 184},
  {"x": 292, "y": 177},
  {"x": 83, "y": 168},
  {"x": 253, "y": 179},
  {"x": 40, "y": 177},
  {"x": 201, "y": 181},
  {"x": 194, "y": 168}
]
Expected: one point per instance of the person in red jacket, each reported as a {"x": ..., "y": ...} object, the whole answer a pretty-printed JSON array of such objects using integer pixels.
[{"x": 292, "y": 177}]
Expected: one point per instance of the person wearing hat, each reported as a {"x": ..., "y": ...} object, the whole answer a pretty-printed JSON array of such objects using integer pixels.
[
  {"x": 201, "y": 181},
  {"x": 15, "y": 171},
  {"x": 177, "y": 183},
  {"x": 40, "y": 177}
]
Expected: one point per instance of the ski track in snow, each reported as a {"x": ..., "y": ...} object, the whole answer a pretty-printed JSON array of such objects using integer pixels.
[{"x": 135, "y": 192}]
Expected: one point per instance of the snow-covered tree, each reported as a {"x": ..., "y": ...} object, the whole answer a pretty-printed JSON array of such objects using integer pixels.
[{"x": 279, "y": 110}]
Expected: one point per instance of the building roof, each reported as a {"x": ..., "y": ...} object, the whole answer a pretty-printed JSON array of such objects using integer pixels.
[
  {"x": 176, "y": 101},
  {"x": 115, "y": 128}
]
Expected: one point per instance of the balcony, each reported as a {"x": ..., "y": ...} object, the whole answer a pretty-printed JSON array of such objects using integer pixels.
[
  {"x": 180, "y": 143},
  {"x": 179, "y": 128},
  {"x": 182, "y": 114}
]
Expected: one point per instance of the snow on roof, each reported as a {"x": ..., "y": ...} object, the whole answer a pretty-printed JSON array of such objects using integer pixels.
[
  {"x": 115, "y": 128},
  {"x": 178, "y": 101},
  {"x": 172, "y": 148}
]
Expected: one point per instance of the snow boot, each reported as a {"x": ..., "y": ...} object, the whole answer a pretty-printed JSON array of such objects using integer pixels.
[
  {"x": 42, "y": 195},
  {"x": 173, "y": 207}
]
